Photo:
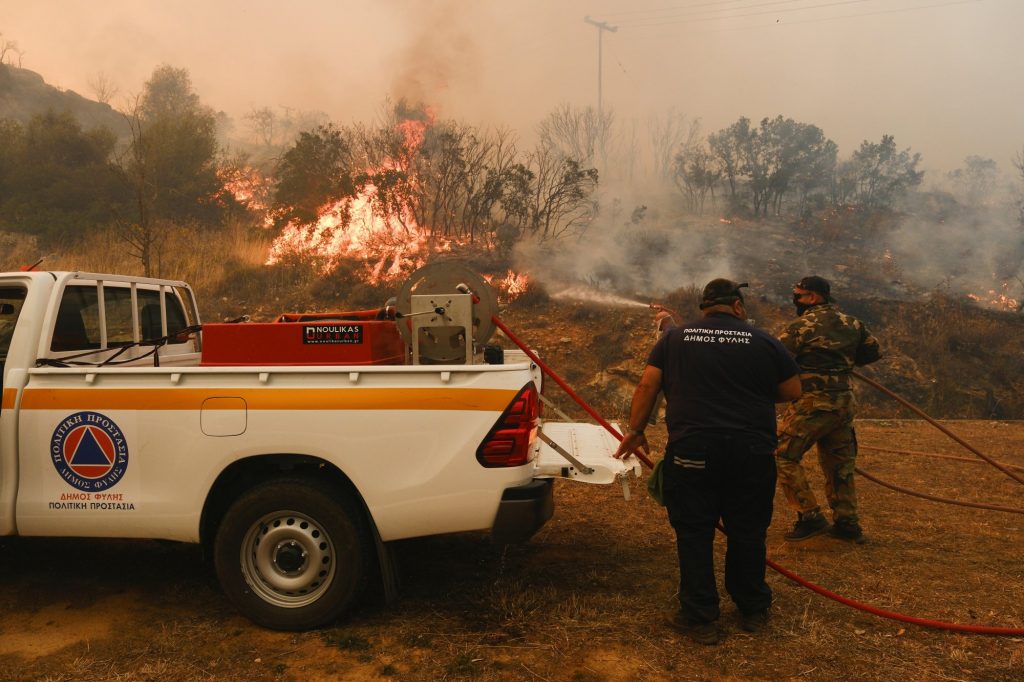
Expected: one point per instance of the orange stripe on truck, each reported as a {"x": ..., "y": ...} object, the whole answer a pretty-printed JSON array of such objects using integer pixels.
[
  {"x": 480, "y": 399},
  {"x": 10, "y": 395}
]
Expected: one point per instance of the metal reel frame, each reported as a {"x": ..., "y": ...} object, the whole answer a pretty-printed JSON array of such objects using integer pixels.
[{"x": 442, "y": 278}]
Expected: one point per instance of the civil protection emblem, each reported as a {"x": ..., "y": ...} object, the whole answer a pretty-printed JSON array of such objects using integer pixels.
[{"x": 89, "y": 451}]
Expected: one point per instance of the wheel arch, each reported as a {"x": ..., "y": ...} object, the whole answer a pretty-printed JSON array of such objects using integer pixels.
[{"x": 243, "y": 474}]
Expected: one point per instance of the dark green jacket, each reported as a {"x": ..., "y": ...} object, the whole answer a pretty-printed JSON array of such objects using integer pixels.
[{"x": 828, "y": 344}]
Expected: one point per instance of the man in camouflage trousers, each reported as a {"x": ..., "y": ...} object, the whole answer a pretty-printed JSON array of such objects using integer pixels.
[{"x": 827, "y": 344}]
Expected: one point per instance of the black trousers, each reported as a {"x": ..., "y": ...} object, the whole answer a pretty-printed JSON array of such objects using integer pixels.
[{"x": 725, "y": 476}]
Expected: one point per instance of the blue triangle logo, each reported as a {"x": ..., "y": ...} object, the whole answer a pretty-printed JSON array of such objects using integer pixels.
[{"x": 89, "y": 451}]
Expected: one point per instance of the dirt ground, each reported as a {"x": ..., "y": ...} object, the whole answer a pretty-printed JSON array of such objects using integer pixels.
[{"x": 583, "y": 601}]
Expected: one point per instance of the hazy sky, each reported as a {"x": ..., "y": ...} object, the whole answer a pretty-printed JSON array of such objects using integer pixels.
[{"x": 943, "y": 76}]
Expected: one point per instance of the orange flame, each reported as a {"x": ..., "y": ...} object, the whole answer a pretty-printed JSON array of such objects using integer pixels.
[
  {"x": 247, "y": 185},
  {"x": 511, "y": 286},
  {"x": 250, "y": 188},
  {"x": 390, "y": 246},
  {"x": 998, "y": 299}
]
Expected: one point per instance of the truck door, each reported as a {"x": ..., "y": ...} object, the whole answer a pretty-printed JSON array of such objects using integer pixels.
[
  {"x": 93, "y": 459},
  {"x": 12, "y": 301}
]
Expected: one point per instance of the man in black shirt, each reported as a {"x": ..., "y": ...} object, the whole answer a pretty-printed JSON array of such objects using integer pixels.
[{"x": 721, "y": 378}]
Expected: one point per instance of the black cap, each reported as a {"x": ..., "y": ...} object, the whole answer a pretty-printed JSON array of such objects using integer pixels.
[
  {"x": 721, "y": 292},
  {"x": 818, "y": 285}
]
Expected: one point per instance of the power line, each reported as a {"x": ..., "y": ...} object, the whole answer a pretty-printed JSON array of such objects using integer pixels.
[
  {"x": 686, "y": 10},
  {"x": 837, "y": 3},
  {"x": 542, "y": 39},
  {"x": 870, "y": 14},
  {"x": 688, "y": 7},
  {"x": 834, "y": 3}
]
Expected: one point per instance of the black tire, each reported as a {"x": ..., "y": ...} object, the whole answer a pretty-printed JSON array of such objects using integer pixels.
[{"x": 292, "y": 554}]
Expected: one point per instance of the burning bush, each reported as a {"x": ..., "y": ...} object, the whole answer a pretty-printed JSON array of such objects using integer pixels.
[
  {"x": 396, "y": 195},
  {"x": 529, "y": 294}
]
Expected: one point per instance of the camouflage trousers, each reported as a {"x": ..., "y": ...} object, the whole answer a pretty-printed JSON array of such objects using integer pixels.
[{"x": 825, "y": 420}]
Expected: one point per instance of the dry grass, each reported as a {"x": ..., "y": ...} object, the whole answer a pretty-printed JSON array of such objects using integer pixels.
[
  {"x": 203, "y": 258},
  {"x": 200, "y": 257},
  {"x": 17, "y": 250}
]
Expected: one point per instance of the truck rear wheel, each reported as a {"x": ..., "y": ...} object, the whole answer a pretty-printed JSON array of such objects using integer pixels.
[{"x": 292, "y": 554}]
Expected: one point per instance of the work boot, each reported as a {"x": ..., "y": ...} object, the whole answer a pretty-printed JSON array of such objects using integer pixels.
[
  {"x": 808, "y": 524},
  {"x": 702, "y": 633},
  {"x": 848, "y": 530},
  {"x": 755, "y": 621}
]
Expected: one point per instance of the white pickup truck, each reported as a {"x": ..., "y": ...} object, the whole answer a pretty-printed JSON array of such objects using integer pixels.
[{"x": 122, "y": 417}]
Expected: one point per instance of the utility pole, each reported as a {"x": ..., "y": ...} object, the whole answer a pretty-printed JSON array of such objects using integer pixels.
[{"x": 601, "y": 28}]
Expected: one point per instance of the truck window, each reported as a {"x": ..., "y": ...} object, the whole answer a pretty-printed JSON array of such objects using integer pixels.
[
  {"x": 118, "y": 304},
  {"x": 117, "y": 307},
  {"x": 149, "y": 315},
  {"x": 78, "y": 320}
]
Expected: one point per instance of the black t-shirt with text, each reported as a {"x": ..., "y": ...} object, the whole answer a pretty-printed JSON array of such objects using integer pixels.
[{"x": 721, "y": 374}]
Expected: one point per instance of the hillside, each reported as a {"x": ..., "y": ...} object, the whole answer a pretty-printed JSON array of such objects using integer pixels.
[
  {"x": 966, "y": 365},
  {"x": 24, "y": 94},
  {"x": 942, "y": 351}
]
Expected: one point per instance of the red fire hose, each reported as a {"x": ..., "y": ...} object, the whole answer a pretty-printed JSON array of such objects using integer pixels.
[
  {"x": 892, "y": 615},
  {"x": 935, "y": 498},
  {"x": 916, "y": 410},
  {"x": 1007, "y": 469},
  {"x": 935, "y": 455}
]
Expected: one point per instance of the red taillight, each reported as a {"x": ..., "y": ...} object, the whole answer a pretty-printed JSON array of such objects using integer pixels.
[{"x": 509, "y": 441}]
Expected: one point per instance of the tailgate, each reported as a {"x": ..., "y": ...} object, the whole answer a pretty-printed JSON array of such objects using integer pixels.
[{"x": 586, "y": 454}]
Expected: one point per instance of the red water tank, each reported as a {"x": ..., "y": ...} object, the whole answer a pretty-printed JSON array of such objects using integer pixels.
[{"x": 349, "y": 338}]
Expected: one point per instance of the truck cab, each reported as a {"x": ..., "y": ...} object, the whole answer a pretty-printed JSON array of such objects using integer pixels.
[{"x": 70, "y": 318}]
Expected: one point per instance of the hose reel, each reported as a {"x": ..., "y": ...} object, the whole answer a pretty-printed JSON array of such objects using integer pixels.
[{"x": 443, "y": 325}]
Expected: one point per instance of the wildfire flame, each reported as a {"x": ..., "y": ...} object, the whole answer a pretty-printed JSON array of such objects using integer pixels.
[
  {"x": 390, "y": 246},
  {"x": 998, "y": 299},
  {"x": 511, "y": 286},
  {"x": 249, "y": 187},
  {"x": 389, "y": 241}
]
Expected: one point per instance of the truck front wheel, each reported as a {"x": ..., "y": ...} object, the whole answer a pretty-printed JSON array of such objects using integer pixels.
[{"x": 292, "y": 554}]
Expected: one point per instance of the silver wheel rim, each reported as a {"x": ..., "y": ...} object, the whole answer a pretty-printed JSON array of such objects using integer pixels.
[{"x": 288, "y": 559}]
